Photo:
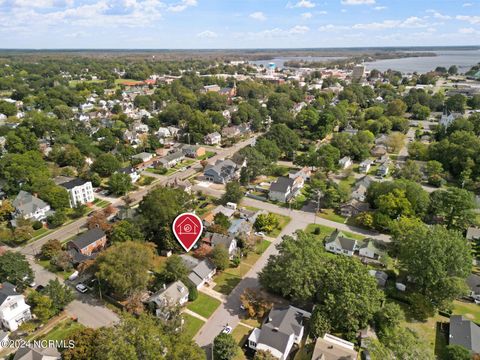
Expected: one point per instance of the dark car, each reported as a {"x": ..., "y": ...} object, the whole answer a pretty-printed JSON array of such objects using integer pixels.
[{"x": 40, "y": 288}]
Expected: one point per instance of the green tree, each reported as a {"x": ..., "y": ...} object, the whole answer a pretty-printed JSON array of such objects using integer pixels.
[
  {"x": 120, "y": 184},
  {"x": 297, "y": 269},
  {"x": 50, "y": 249},
  {"x": 266, "y": 222},
  {"x": 319, "y": 324},
  {"x": 327, "y": 158},
  {"x": 455, "y": 205},
  {"x": 220, "y": 257},
  {"x": 175, "y": 269},
  {"x": 264, "y": 355},
  {"x": 421, "y": 112},
  {"x": 42, "y": 306},
  {"x": 456, "y": 103},
  {"x": 124, "y": 267},
  {"x": 224, "y": 347},
  {"x": 221, "y": 220},
  {"x": 396, "y": 107},
  {"x": 285, "y": 138},
  {"x": 436, "y": 259},
  {"x": 85, "y": 345},
  {"x": 63, "y": 112},
  {"x": 126, "y": 230},
  {"x": 15, "y": 269},
  {"x": 105, "y": 165},
  {"x": 389, "y": 317},
  {"x": 233, "y": 193},
  {"x": 348, "y": 295},
  {"x": 410, "y": 171},
  {"x": 61, "y": 295},
  {"x": 458, "y": 352},
  {"x": 405, "y": 344}
]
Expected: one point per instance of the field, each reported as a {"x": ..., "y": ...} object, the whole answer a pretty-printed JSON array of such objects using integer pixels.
[
  {"x": 204, "y": 305},
  {"x": 192, "y": 325}
]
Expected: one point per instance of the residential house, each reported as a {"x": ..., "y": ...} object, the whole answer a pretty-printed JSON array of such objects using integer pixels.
[
  {"x": 378, "y": 151},
  {"x": 132, "y": 172},
  {"x": 281, "y": 329},
  {"x": 227, "y": 241},
  {"x": 80, "y": 191},
  {"x": 213, "y": 138},
  {"x": 240, "y": 227},
  {"x": 13, "y": 309},
  {"x": 193, "y": 151},
  {"x": 350, "y": 130},
  {"x": 345, "y": 162},
  {"x": 143, "y": 157},
  {"x": 230, "y": 131},
  {"x": 172, "y": 159},
  {"x": 163, "y": 133},
  {"x": 339, "y": 243},
  {"x": 37, "y": 353},
  {"x": 359, "y": 192},
  {"x": 333, "y": 348},
  {"x": 365, "y": 166},
  {"x": 211, "y": 88},
  {"x": 465, "y": 333},
  {"x": 448, "y": 119},
  {"x": 184, "y": 185},
  {"x": 304, "y": 172},
  {"x": 285, "y": 188},
  {"x": 222, "y": 172},
  {"x": 353, "y": 207},
  {"x": 89, "y": 242},
  {"x": 370, "y": 249},
  {"x": 30, "y": 207},
  {"x": 201, "y": 271},
  {"x": 174, "y": 294}
]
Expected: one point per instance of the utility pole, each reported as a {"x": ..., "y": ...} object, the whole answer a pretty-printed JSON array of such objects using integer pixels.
[{"x": 317, "y": 209}]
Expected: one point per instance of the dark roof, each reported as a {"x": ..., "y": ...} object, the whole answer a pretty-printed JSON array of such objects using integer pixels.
[
  {"x": 6, "y": 290},
  {"x": 465, "y": 333},
  {"x": 73, "y": 183},
  {"x": 279, "y": 325},
  {"x": 126, "y": 170},
  {"x": 282, "y": 184},
  {"x": 88, "y": 237},
  {"x": 220, "y": 239},
  {"x": 32, "y": 353}
]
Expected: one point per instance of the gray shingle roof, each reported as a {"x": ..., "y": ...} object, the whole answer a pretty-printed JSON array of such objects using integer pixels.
[
  {"x": 282, "y": 184},
  {"x": 26, "y": 203},
  {"x": 465, "y": 333},
  {"x": 173, "y": 292},
  {"x": 88, "y": 237},
  {"x": 6, "y": 290},
  {"x": 73, "y": 183}
]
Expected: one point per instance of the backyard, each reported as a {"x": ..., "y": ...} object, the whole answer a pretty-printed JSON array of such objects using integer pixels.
[{"x": 63, "y": 330}]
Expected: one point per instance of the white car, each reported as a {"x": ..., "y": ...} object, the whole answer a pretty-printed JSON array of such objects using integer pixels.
[
  {"x": 227, "y": 330},
  {"x": 260, "y": 233},
  {"x": 81, "y": 288}
]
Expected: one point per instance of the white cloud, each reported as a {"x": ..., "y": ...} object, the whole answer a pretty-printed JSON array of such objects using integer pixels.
[
  {"x": 437, "y": 15},
  {"x": 379, "y": 8},
  {"x": 299, "y": 29},
  {"x": 358, "y": 2},
  {"x": 467, "y": 30},
  {"x": 474, "y": 20},
  {"x": 332, "y": 28},
  {"x": 258, "y": 15},
  {"x": 207, "y": 34},
  {"x": 411, "y": 22},
  {"x": 181, "y": 6},
  {"x": 274, "y": 33},
  {"x": 467, "y": 4},
  {"x": 307, "y": 15},
  {"x": 323, "y": 12},
  {"x": 302, "y": 4}
]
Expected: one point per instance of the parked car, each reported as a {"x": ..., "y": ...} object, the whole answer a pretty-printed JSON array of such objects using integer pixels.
[
  {"x": 40, "y": 288},
  {"x": 73, "y": 276},
  {"x": 227, "y": 330},
  {"x": 81, "y": 288}
]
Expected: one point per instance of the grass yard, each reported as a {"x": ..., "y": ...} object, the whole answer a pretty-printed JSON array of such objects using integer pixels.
[
  {"x": 327, "y": 230},
  {"x": 46, "y": 264},
  {"x": 240, "y": 334},
  {"x": 348, "y": 181},
  {"x": 207, "y": 155},
  {"x": 226, "y": 282},
  {"x": 101, "y": 203},
  {"x": 330, "y": 214},
  {"x": 192, "y": 325},
  {"x": 469, "y": 310},
  {"x": 63, "y": 331},
  {"x": 283, "y": 220},
  {"x": 204, "y": 305},
  {"x": 170, "y": 171},
  {"x": 145, "y": 180}
]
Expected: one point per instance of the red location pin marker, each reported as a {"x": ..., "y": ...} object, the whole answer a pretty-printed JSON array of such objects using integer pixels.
[{"x": 187, "y": 228}]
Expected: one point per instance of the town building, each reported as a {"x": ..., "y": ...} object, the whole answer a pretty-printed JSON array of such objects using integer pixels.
[
  {"x": 13, "y": 309},
  {"x": 80, "y": 192}
]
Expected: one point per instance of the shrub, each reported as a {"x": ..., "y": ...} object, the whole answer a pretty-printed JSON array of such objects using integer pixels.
[{"x": 37, "y": 225}]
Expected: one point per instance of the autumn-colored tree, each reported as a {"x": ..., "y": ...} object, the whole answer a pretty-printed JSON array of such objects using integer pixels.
[
  {"x": 99, "y": 220},
  {"x": 256, "y": 305}
]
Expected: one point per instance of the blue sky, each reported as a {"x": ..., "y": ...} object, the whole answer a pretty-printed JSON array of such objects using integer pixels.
[{"x": 237, "y": 23}]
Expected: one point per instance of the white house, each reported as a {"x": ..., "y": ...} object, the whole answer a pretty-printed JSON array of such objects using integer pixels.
[
  {"x": 174, "y": 294},
  {"x": 213, "y": 138},
  {"x": 134, "y": 175},
  {"x": 30, "y": 207},
  {"x": 79, "y": 191},
  {"x": 338, "y": 243},
  {"x": 370, "y": 249},
  {"x": 283, "y": 328},
  {"x": 285, "y": 188},
  {"x": 365, "y": 166},
  {"x": 13, "y": 309},
  {"x": 345, "y": 162}
]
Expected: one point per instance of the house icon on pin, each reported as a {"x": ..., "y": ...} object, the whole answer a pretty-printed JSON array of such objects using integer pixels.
[{"x": 187, "y": 227}]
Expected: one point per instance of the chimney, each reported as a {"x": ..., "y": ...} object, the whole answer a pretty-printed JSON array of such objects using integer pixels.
[{"x": 275, "y": 329}]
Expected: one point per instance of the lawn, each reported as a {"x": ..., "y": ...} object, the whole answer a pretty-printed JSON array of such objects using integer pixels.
[
  {"x": 63, "y": 330},
  {"x": 348, "y": 181},
  {"x": 469, "y": 310},
  {"x": 240, "y": 334},
  {"x": 204, "y": 305},
  {"x": 145, "y": 180},
  {"x": 330, "y": 214},
  {"x": 46, "y": 264},
  {"x": 327, "y": 230},
  {"x": 101, "y": 203},
  {"x": 192, "y": 325},
  {"x": 207, "y": 155},
  {"x": 226, "y": 282},
  {"x": 283, "y": 220}
]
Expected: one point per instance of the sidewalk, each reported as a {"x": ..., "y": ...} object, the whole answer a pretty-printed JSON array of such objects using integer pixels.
[{"x": 215, "y": 294}]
